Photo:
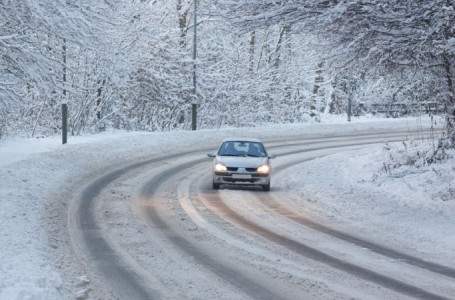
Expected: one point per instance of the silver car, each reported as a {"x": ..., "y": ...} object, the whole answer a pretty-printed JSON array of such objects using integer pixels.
[{"x": 241, "y": 162}]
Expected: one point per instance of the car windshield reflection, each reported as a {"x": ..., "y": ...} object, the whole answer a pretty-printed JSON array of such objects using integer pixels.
[{"x": 242, "y": 148}]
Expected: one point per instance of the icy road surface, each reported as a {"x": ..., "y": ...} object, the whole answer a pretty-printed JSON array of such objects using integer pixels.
[{"x": 134, "y": 217}]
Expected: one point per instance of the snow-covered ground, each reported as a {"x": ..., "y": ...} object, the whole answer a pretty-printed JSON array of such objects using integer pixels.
[
  {"x": 408, "y": 208},
  {"x": 364, "y": 188}
]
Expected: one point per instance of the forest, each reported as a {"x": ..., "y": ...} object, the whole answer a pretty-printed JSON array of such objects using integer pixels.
[{"x": 132, "y": 65}]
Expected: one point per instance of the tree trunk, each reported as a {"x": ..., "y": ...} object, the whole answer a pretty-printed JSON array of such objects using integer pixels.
[
  {"x": 64, "y": 69},
  {"x": 316, "y": 87},
  {"x": 278, "y": 47},
  {"x": 449, "y": 103},
  {"x": 182, "y": 23},
  {"x": 98, "y": 98},
  {"x": 252, "y": 48}
]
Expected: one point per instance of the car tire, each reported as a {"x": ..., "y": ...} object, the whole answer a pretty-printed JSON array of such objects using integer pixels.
[
  {"x": 266, "y": 187},
  {"x": 216, "y": 186}
]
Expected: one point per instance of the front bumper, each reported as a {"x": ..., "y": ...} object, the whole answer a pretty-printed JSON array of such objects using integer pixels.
[{"x": 241, "y": 178}]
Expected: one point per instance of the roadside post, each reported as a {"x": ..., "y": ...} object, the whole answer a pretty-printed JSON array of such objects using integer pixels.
[
  {"x": 64, "y": 123},
  {"x": 194, "y": 116},
  {"x": 349, "y": 100},
  {"x": 194, "y": 105}
]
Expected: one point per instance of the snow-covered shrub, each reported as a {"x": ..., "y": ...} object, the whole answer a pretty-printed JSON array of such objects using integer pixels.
[
  {"x": 431, "y": 162},
  {"x": 441, "y": 152},
  {"x": 417, "y": 153}
]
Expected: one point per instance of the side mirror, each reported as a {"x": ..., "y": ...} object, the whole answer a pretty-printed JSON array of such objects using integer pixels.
[
  {"x": 272, "y": 156},
  {"x": 211, "y": 154}
]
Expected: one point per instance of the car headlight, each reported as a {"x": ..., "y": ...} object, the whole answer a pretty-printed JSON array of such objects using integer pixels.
[
  {"x": 220, "y": 167},
  {"x": 264, "y": 169}
]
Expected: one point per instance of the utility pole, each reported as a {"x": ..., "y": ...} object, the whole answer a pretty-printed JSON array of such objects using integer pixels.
[
  {"x": 64, "y": 106},
  {"x": 349, "y": 100},
  {"x": 194, "y": 105}
]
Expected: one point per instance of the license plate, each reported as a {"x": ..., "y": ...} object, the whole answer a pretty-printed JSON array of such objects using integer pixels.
[{"x": 241, "y": 176}]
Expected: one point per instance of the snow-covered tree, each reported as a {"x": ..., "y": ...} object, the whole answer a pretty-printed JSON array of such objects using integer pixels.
[
  {"x": 411, "y": 41},
  {"x": 114, "y": 63},
  {"x": 128, "y": 64}
]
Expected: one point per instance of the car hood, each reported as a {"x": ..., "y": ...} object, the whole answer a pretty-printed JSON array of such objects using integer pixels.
[{"x": 242, "y": 161}]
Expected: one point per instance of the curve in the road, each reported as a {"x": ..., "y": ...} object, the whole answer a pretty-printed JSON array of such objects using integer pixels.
[{"x": 111, "y": 264}]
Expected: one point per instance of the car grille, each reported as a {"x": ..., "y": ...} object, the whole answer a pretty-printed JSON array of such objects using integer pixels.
[
  {"x": 234, "y": 169},
  {"x": 252, "y": 180}
]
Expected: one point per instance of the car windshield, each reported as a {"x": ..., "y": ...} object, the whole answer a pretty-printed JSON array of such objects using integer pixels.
[{"x": 242, "y": 148}]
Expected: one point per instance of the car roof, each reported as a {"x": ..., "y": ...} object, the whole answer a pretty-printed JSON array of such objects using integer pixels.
[{"x": 242, "y": 140}]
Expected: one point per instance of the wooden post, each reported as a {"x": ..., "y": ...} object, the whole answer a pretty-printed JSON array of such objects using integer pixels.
[
  {"x": 194, "y": 116},
  {"x": 64, "y": 123}
]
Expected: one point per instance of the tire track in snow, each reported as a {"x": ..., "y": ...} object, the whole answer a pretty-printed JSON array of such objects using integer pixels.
[
  {"x": 274, "y": 206},
  {"x": 125, "y": 280},
  {"x": 247, "y": 285},
  {"x": 220, "y": 208}
]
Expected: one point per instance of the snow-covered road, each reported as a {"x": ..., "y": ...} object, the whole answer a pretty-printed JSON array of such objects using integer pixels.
[{"x": 135, "y": 217}]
